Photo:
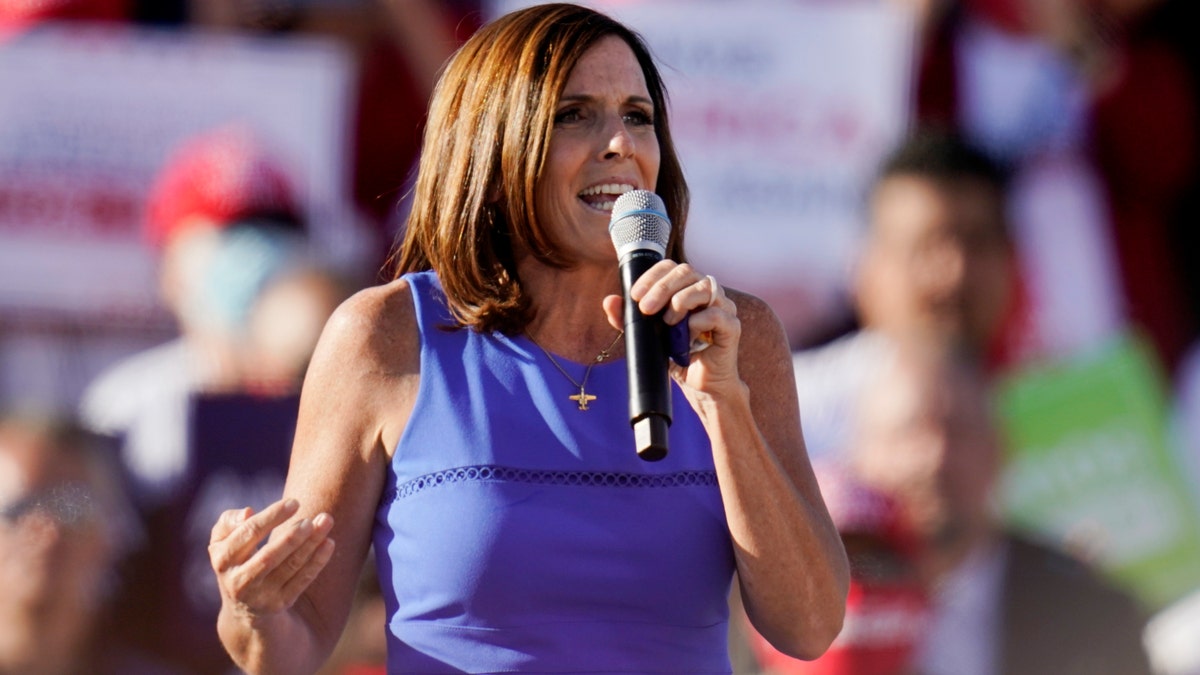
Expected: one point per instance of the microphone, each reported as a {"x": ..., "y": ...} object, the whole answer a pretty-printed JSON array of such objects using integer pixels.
[{"x": 640, "y": 230}]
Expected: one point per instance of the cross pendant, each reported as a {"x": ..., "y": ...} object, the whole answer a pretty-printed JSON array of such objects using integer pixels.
[{"x": 583, "y": 398}]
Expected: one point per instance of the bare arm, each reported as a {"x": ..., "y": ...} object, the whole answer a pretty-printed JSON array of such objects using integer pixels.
[
  {"x": 792, "y": 568},
  {"x": 284, "y": 605}
]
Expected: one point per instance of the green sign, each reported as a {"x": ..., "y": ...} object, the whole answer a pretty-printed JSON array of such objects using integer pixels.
[{"x": 1090, "y": 466}]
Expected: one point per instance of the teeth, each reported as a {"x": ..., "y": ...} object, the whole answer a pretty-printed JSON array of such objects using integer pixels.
[{"x": 617, "y": 189}]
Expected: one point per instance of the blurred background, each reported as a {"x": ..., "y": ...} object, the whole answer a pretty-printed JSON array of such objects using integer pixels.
[{"x": 188, "y": 188}]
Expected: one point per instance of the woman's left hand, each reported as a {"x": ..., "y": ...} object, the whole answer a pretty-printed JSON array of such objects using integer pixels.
[
  {"x": 791, "y": 566},
  {"x": 711, "y": 319}
]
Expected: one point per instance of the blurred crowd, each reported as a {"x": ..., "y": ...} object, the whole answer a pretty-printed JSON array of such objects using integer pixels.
[{"x": 1043, "y": 208}]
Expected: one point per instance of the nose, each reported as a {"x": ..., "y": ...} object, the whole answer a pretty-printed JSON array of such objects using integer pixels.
[{"x": 618, "y": 142}]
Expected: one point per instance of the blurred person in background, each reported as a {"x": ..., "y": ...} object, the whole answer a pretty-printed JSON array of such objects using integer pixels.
[
  {"x": 220, "y": 193},
  {"x": 1094, "y": 106},
  {"x": 65, "y": 522},
  {"x": 936, "y": 261},
  {"x": 284, "y": 322},
  {"x": 887, "y": 610},
  {"x": 205, "y": 421},
  {"x": 1001, "y": 602},
  {"x": 236, "y": 445}
]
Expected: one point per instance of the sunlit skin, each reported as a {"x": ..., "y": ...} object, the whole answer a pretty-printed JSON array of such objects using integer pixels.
[
  {"x": 604, "y": 143},
  {"x": 284, "y": 603}
]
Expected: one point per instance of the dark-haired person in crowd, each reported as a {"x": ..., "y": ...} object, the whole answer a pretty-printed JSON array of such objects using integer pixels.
[
  {"x": 1102, "y": 96},
  {"x": 515, "y": 528},
  {"x": 1001, "y": 603},
  {"x": 936, "y": 262}
]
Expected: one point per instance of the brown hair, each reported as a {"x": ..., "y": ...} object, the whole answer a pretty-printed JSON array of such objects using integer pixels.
[{"x": 490, "y": 120}]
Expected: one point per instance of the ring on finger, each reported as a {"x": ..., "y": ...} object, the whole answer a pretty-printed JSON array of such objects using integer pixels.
[{"x": 714, "y": 290}]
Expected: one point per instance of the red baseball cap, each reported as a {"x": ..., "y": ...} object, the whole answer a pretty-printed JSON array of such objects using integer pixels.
[{"x": 223, "y": 176}]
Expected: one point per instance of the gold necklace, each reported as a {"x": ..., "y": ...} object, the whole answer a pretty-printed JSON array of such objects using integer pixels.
[{"x": 582, "y": 398}]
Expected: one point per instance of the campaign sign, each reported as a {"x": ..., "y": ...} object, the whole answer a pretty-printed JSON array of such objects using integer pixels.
[
  {"x": 88, "y": 116},
  {"x": 1091, "y": 467}
]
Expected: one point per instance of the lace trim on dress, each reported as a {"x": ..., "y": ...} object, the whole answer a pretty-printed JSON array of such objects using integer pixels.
[{"x": 488, "y": 473}]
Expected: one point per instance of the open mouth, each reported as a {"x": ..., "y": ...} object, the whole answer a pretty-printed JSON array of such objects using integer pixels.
[{"x": 603, "y": 196}]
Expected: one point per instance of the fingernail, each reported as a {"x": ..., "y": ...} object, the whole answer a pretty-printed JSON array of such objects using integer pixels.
[
  {"x": 320, "y": 520},
  {"x": 291, "y": 505}
]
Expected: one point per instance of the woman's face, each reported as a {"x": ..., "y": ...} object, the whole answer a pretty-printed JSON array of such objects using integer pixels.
[{"x": 603, "y": 144}]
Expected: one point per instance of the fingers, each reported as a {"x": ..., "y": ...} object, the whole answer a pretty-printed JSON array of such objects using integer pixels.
[
  {"x": 227, "y": 522},
  {"x": 680, "y": 290},
  {"x": 302, "y": 567},
  {"x": 290, "y": 561},
  {"x": 614, "y": 309},
  {"x": 269, "y": 578},
  {"x": 244, "y": 536}
]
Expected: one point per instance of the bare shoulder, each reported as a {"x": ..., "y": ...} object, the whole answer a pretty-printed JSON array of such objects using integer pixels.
[
  {"x": 375, "y": 330},
  {"x": 763, "y": 334},
  {"x": 366, "y": 367}
]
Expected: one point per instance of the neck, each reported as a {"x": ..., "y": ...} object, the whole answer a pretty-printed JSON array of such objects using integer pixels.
[{"x": 569, "y": 317}]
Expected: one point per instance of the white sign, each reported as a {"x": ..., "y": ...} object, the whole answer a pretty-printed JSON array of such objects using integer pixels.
[
  {"x": 781, "y": 113},
  {"x": 88, "y": 117}
]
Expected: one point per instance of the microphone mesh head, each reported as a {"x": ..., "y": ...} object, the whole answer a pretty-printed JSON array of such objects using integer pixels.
[{"x": 639, "y": 220}]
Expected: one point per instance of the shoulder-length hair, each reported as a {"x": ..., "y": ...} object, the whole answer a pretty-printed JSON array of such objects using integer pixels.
[{"x": 490, "y": 120}]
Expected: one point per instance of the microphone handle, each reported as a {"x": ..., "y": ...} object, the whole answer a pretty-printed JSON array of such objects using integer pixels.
[{"x": 646, "y": 362}]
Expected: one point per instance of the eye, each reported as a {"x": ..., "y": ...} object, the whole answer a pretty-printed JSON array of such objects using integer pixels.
[
  {"x": 639, "y": 118},
  {"x": 568, "y": 115}
]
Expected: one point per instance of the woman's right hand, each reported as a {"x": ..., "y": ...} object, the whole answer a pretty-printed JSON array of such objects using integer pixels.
[{"x": 260, "y": 581}]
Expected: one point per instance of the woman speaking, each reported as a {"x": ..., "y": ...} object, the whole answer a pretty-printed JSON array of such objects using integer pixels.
[{"x": 470, "y": 419}]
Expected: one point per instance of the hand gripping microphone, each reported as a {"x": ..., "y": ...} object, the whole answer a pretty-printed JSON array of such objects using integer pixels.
[{"x": 640, "y": 230}]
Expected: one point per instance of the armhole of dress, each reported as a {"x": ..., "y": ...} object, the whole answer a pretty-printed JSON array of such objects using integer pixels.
[
  {"x": 419, "y": 288},
  {"x": 416, "y": 287}
]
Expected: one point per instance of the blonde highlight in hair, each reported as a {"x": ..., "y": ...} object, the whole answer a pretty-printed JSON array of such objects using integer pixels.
[{"x": 489, "y": 126}]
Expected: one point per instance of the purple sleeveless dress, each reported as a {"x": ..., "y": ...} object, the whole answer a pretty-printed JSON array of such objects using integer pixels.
[{"x": 517, "y": 533}]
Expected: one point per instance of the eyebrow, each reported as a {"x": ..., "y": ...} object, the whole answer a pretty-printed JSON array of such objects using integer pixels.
[{"x": 588, "y": 98}]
